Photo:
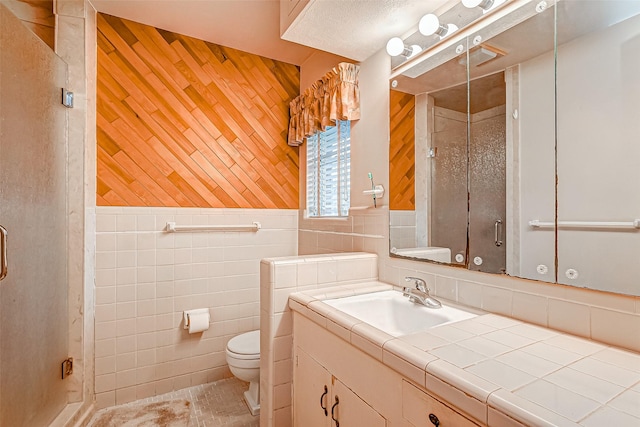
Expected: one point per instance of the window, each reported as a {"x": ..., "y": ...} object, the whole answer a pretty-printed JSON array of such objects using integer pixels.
[{"x": 329, "y": 171}]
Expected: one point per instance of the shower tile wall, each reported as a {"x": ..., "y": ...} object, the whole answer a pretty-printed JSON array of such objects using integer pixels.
[{"x": 146, "y": 278}]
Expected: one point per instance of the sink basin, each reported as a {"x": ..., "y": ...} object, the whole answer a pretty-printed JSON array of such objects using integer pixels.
[{"x": 394, "y": 314}]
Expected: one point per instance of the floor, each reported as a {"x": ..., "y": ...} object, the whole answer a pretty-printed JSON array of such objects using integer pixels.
[{"x": 216, "y": 404}]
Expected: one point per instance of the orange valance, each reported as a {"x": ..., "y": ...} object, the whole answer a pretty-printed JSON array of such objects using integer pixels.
[{"x": 335, "y": 96}]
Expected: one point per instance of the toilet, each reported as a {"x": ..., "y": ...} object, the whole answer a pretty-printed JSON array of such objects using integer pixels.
[{"x": 243, "y": 357}]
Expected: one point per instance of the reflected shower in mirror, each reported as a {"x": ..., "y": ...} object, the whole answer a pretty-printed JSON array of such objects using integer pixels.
[
  {"x": 549, "y": 132},
  {"x": 428, "y": 173},
  {"x": 469, "y": 172}
]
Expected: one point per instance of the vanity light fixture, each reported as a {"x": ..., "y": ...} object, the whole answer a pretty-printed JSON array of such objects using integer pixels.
[
  {"x": 430, "y": 24},
  {"x": 396, "y": 47},
  {"x": 485, "y": 5}
]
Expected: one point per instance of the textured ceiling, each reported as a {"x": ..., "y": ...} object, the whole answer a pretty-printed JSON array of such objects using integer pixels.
[
  {"x": 357, "y": 28},
  {"x": 351, "y": 28}
]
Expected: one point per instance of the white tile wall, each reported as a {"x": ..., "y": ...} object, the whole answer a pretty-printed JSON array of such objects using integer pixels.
[
  {"x": 403, "y": 224},
  {"x": 146, "y": 277},
  {"x": 602, "y": 316},
  {"x": 279, "y": 277},
  {"x": 364, "y": 230}
]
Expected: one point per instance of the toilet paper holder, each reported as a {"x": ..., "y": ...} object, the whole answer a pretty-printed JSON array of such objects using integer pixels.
[{"x": 188, "y": 313}]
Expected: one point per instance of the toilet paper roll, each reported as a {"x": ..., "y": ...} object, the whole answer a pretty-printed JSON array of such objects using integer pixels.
[{"x": 197, "y": 320}]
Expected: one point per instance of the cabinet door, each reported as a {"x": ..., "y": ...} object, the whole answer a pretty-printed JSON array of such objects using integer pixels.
[
  {"x": 351, "y": 411},
  {"x": 310, "y": 380},
  {"x": 423, "y": 410}
]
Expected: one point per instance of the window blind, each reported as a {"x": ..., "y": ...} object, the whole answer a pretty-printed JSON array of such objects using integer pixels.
[{"x": 328, "y": 171}]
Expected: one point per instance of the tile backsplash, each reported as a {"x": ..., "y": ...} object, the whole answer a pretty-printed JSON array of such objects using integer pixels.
[
  {"x": 146, "y": 278},
  {"x": 601, "y": 316}
]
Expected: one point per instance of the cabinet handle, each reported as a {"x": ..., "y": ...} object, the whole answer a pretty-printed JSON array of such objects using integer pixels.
[
  {"x": 326, "y": 391},
  {"x": 434, "y": 420},
  {"x": 332, "y": 413}
]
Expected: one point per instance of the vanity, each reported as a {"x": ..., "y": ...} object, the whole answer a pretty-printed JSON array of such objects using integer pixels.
[
  {"x": 485, "y": 370},
  {"x": 553, "y": 147}
]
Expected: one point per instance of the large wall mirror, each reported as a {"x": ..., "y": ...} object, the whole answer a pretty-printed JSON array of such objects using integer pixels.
[{"x": 514, "y": 146}]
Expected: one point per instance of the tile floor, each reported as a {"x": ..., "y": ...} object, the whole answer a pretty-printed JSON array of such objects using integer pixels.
[{"x": 216, "y": 404}]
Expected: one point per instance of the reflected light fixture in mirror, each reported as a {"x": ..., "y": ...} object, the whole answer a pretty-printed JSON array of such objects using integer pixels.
[
  {"x": 430, "y": 24},
  {"x": 485, "y": 5},
  {"x": 396, "y": 47}
]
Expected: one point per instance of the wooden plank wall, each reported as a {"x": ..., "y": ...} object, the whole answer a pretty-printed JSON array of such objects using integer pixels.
[
  {"x": 402, "y": 151},
  {"x": 37, "y": 15},
  {"x": 187, "y": 123}
]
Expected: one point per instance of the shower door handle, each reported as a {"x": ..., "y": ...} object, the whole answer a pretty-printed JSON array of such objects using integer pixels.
[
  {"x": 498, "y": 232},
  {"x": 3, "y": 252}
]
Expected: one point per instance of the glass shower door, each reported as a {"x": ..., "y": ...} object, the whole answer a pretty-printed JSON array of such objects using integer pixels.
[
  {"x": 487, "y": 174},
  {"x": 33, "y": 161},
  {"x": 449, "y": 180},
  {"x": 448, "y": 166}
]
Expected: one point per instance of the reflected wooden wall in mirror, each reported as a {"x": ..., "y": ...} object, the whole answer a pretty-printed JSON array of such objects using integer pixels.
[{"x": 496, "y": 208}]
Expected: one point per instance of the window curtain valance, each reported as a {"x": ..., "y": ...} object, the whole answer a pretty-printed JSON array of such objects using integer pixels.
[{"x": 335, "y": 96}]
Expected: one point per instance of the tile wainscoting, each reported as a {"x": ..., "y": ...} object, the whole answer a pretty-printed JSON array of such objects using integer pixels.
[
  {"x": 606, "y": 317},
  {"x": 146, "y": 278},
  {"x": 279, "y": 277}
]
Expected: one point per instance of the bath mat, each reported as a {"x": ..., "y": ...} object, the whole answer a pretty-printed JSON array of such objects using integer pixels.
[{"x": 171, "y": 413}]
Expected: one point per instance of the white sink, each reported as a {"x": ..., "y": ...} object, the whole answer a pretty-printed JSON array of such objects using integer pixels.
[{"x": 394, "y": 314}]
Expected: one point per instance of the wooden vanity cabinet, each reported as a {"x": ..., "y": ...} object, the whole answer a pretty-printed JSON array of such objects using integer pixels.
[
  {"x": 321, "y": 400},
  {"x": 421, "y": 409},
  {"x": 370, "y": 393}
]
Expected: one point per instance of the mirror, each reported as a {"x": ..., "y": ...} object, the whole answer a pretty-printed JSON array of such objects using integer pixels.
[
  {"x": 598, "y": 104},
  {"x": 428, "y": 201},
  {"x": 522, "y": 122}
]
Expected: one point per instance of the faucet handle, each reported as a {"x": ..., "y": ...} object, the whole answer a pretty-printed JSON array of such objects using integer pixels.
[{"x": 420, "y": 284}]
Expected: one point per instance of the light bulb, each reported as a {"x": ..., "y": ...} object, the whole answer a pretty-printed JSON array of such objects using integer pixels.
[
  {"x": 484, "y": 4},
  {"x": 415, "y": 49},
  {"x": 430, "y": 24},
  {"x": 395, "y": 46}
]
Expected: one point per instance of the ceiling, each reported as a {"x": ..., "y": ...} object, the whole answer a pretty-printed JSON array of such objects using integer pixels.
[{"x": 353, "y": 29}]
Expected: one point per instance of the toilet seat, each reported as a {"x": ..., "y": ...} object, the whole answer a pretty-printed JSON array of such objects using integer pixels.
[
  {"x": 237, "y": 356},
  {"x": 245, "y": 346},
  {"x": 243, "y": 351}
]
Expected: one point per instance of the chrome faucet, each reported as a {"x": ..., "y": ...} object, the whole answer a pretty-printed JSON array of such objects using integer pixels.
[{"x": 420, "y": 293}]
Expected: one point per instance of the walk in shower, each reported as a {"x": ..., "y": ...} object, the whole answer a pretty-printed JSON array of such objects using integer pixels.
[{"x": 33, "y": 209}]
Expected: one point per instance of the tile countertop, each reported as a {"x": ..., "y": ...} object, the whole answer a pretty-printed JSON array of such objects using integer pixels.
[{"x": 535, "y": 375}]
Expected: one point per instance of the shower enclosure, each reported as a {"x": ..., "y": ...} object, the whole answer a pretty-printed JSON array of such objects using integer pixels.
[
  {"x": 448, "y": 178},
  {"x": 487, "y": 189},
  {"x": 468, "y": 173},
  {"x": 33, "y": 204}
]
